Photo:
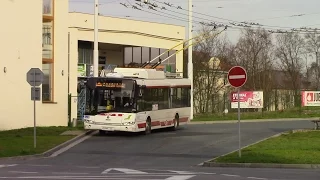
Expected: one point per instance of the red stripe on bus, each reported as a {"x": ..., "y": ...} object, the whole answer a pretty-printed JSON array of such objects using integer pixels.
[
  {"x": 162, "y": 123},
  {"x": 183, "y": 119},
  {"x": 155, "y": 123},
  {"x": 142, "y": 125}
]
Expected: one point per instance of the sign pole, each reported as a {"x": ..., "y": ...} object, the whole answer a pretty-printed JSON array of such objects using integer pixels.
[
  {"x": 239, "y": 122},
  {"x": 237, "y": 77},
  {"x": 35, "y": 78},
  {"x": 34, "y": 111}
]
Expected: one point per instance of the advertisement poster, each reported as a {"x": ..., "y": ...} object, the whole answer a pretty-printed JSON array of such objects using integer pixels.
[
  {"x": 310, "y": 98},
  {"x": 248, "y": 99},
  {"x": 82, "y": 70}
]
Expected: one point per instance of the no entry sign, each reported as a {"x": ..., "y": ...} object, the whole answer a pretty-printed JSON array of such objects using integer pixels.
[{"x": 237, "y": 76}]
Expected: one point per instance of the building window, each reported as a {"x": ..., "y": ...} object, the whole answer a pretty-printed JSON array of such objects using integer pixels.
[
  {"x": 48, "y": 50},
  {"x": 47, "y": 82},
  {"x": 47, "y": 40},
  {"x": 47, "y": 7}
]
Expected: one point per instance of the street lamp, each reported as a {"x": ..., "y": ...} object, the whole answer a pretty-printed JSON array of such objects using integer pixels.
[{"x": 96, "y": 42}]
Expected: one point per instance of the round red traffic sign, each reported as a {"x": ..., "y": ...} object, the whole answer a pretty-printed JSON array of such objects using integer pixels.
[{"x": 237, "y": 76}]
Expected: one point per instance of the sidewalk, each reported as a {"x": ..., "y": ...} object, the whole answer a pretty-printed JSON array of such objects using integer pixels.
[{"x": 253, "y": 120}]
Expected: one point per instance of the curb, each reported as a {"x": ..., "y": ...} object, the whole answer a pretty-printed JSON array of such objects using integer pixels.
[
  {"x": 211, "y": 163},
  {"x": 50, "y": 151},
  {"x": 253, "y": 120},
  {"x": 262, "y": 165}
]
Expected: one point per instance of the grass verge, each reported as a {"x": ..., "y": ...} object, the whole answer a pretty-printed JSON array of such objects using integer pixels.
[
  {"x": 19, "y": 142},
  {"x": 305, "y": 112},
  {"x": 292, "y": 148}
]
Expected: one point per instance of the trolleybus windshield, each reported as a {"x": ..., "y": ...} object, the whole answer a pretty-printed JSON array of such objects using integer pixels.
[{"x": 112, "y": 96}]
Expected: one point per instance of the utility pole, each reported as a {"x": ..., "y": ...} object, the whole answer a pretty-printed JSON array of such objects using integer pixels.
[
  {"x": 190, "y": 64},
  {"x": 96, "y": 42},
  {"x": 317, "y": 62}
]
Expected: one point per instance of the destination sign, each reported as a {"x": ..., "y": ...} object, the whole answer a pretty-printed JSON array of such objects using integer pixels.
[{"x": 111, "y": 85}]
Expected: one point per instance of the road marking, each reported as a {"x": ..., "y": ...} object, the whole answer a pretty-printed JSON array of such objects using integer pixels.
[
  {"x": 182, "y": 172},
  {"x": 180, "y": 177},
  {"x": 257, "y": 178},
  {"x": 7, "y": 165},
  {"x": 124, "y": 170},
  {"x": 231, "y": 175},
  {"x": 38, "y": 165},
  {"x": 188, "y": 172},
  {"x": 62, "y": 150},
  {"x": 77, "y": 178},
  {"x": 127, "y": 177},
  {"x": 89, "y": 167},
  {"x": 23, "y": 172},
  {"x": 237, "y": 77},
  {"x": 74, "y": 173}
]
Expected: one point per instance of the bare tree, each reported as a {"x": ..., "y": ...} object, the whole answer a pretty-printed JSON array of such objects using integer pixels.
[
  {"x": 313, "y": 46},
  {"x": 253, "y": 52},
  {"x": 290, "y": 47},
  {"x": 209, "y": 75}
]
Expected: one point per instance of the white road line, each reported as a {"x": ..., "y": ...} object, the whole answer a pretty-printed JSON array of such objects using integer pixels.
[
  {"x": 182, "y": 172},
  {"x": 7, "y": 165},
  {"x": 180, "y": 177},
  {"x": 127, "y": 177},
  {"x": 124, "y": 170},
  {"x": 257, "y": 178},
  {"x": 71, "y": 145},
  {"x": 237, "y": 77},
  {"x": 77, "y": 178},
  {"x": 188, "y": 172},
  {"x": 23, "y": 172},
  {"x": 38, "y": 165},
  {"x": 231, "y": 175},
  {"x": 89, "y": 167},
  {"x": 72, "y": 173}
]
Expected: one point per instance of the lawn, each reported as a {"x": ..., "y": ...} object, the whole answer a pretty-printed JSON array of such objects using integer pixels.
[
  {"x": 20, "y": 142},
  {"x": 305, "y": 112},
  {"x": 292, "y": 148}
]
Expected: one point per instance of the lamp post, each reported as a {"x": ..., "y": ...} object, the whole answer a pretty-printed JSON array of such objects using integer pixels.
[
  {"x": 190, "y": 64},
  {"x": 96, "y": 42}
]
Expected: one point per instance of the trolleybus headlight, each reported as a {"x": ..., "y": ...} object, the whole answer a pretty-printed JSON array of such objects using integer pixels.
[{"x": 88, "y": 121}]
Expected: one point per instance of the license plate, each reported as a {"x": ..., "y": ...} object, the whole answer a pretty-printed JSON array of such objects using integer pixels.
[{"x": 107, "y": 128}]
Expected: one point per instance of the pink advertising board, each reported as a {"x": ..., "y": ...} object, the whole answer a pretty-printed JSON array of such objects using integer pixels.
[
  {"x": 310, "y": 98},
  {"x": 248, "y": 99}
]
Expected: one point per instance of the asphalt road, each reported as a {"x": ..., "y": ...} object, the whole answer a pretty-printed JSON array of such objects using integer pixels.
[{"x": 162, "y": 155}]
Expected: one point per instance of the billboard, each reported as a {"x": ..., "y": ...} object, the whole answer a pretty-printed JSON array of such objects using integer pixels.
[
  {"x": 248, "y": 99},
  {"x": 310, "y": 98}
]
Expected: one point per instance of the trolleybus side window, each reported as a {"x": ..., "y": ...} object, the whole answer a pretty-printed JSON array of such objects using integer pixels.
[{"x": 180, "y": 97}]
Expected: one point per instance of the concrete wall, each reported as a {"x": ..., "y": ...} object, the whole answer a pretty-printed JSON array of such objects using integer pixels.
[
  {"x": 123, "y": 32},
  {"x": 21, "y": 49},
  {"x": 56, "y": 113}
]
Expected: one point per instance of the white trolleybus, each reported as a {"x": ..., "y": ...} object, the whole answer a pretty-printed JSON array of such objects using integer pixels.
[{"x": 136, "y": 100}]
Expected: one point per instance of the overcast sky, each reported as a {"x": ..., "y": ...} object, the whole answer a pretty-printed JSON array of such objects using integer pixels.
[{"x": 275, "y": 13}]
